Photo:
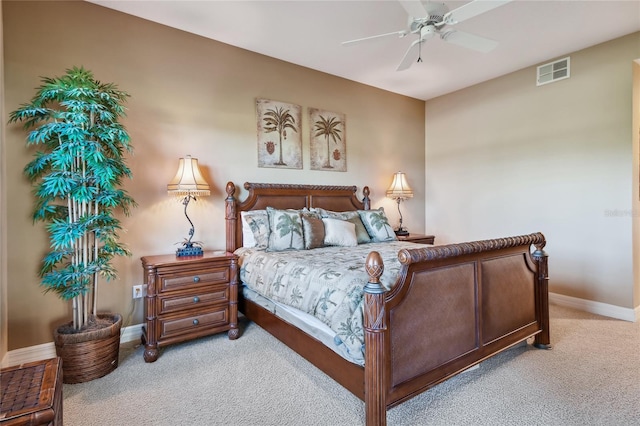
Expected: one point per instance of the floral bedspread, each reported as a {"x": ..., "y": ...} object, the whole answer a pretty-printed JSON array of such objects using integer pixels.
[{"x": 326, "y": 282}]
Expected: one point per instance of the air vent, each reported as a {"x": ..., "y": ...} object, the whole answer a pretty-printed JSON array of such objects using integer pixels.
[{"x": 554, "y": 71}]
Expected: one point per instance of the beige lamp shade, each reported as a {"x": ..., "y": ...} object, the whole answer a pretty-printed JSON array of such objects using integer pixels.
[
  {"x": 399, "y": 188},
  {"x": 188, "y": 180}
]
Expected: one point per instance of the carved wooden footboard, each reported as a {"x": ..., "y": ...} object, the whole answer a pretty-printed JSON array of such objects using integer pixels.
[{"x": 452, "y": 306}]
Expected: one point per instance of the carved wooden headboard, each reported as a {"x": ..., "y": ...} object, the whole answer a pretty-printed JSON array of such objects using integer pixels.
[{"x": 287, "y": 196}]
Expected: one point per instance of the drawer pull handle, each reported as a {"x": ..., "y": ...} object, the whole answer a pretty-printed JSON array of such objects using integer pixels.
[
  {"x": 196, "y": 279},
  {"x": 196, "y": 299},
  {"x": 196, "y": 322}
]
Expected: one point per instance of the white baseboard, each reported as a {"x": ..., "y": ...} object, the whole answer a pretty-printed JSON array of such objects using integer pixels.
[
  {"x": 131, "y": 333},
  {"x": 48, "y": 350},
  {"x": 599, "y": 308}
]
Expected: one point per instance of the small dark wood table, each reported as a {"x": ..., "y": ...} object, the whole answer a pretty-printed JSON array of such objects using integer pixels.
[
  {"x": 418, "y": 238},
  {"x": 31, "y": 394}
]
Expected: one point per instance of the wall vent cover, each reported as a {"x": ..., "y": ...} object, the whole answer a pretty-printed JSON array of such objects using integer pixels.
[{"x": 554, "y": 71}]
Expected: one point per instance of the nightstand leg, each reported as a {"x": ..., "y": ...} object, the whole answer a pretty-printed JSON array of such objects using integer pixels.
[
  {"x": 233, "y": 333},
  {"x": 233, "y": 301},
  {"x": 150, "y": 353}
]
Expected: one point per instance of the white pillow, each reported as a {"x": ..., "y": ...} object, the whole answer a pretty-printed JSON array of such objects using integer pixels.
[
  {"x": 339, "y": 233},
  {"x": 257, "y": 231},
  {"x": 248, "y": 240}
]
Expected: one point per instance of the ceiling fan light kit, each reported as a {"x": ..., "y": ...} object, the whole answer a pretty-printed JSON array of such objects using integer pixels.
[{"x": 427, "y": 18}]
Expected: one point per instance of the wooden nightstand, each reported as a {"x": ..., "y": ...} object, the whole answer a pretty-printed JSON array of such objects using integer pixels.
[
  {"x": 418, "y": 238},
  {"x": 188, "y": 297}
]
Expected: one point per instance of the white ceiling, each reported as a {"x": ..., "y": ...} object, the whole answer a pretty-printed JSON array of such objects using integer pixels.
[{"x": 310, "y": 32}]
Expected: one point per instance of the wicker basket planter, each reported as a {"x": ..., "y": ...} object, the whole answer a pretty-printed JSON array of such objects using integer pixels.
[{"x": 89, "y": 355}]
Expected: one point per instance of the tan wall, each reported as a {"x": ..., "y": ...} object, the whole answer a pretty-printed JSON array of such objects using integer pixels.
[
  {"x": 507, "y": 157},
  {"x": 3, "y": 210},
  {"x": 189, "y": 95}
]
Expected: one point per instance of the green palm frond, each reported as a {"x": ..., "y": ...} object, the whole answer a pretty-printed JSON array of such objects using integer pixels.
[{"x": 77, "y": 174}]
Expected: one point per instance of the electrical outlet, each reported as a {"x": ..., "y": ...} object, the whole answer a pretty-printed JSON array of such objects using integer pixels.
[{"x": 138, "y": 291}]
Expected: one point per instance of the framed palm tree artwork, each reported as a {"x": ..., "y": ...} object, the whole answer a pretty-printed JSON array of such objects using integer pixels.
[
  {"x": 279, "y": 134},
  {"x": 328, "y": 142}
]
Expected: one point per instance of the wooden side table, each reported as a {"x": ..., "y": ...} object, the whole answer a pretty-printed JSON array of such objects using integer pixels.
[
  {"x": 188, "y": 297},
  {"x": 32, "y": 393},
  {"x": 418, "y": 238}
]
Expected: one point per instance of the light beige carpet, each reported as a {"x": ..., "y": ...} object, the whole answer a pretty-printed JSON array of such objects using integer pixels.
[{"x": 590, "y": 377}]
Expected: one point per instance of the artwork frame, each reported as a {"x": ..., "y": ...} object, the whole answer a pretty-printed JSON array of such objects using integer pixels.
[
  {"x": 283, "y": 151},
  {"x": 328, "y": 140}
]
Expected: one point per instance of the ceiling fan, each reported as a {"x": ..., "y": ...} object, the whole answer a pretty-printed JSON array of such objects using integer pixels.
[{"x": 427, "y": 18}]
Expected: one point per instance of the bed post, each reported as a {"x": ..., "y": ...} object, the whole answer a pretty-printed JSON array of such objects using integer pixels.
[
  {"x": 230, "y": 218},
  {"x": 542, "y": 340},
  {"x": 365, "y": 198},
  {"x": 375, "y": 330}
]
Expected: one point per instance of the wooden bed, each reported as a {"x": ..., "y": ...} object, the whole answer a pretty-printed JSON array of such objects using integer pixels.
[{"x": 452, "y": 306}]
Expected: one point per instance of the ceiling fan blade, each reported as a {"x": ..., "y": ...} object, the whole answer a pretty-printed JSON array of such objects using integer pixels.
[
  {"x": 358, "y": 40},
  {"x": 471, "y": 9},
  {"x": 409, "y": 55},
  {"x": 470, "y": 41},
  {"x": 414, "y": 8}
]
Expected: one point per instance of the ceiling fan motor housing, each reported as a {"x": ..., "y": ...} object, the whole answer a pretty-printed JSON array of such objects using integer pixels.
[{"x": 435, "y": 15}]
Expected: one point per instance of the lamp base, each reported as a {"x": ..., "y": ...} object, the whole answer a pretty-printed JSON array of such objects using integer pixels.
[
  {"x": 401, "y": 231},
  {"x": 189, "y": 250}
]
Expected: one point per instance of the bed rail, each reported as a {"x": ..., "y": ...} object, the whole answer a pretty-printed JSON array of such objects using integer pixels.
[{"x": 473, "y": 299}]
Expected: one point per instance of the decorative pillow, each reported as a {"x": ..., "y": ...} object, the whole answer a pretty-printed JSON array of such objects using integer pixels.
[
  {"x": 256, "y": 231},
  {"x": 351, "y": 216},
  {"x": 339, "y": 233},
  {"x": 305, "y": 212},
  {"x": 248, "y": 240},
  {"x": 361, "y": 232},
  {"x": 313, "y": 231},
  {"x": 377, "y": 225},
  {"x": 286, "y": 230}
]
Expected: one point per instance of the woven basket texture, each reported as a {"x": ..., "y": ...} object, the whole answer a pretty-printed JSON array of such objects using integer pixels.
[{"x": 88, "y": 356}]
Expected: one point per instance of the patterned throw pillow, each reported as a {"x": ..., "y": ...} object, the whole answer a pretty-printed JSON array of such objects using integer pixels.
[
  {"x": 286, "y": 230},
  {"x": 361, "y": 232},
  {"x": 257, "y": 222},
  {"x": 377, "y": 225},
  {"x": 351, "y": 216},
  {"x": 305, "y": 212},
  {"x": 313, "y": 231},
  {"x": 338, "y": 232}
]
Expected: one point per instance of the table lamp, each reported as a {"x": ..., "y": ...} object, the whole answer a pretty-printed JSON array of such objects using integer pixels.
[
  {"x": 188, "y": 182},
  {"x": 400, "y": 190}
]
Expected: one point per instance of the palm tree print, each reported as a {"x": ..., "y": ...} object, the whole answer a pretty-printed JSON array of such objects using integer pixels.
[
  {"x": 350, "y": 330},
  {"x": 329, "y": 129},
  {"x": 379, "y": 220},
  {"x": 288, "y": 224},
  {"x": 278, "y": 284},
  {"x": 279, "y": 119},
  {"x": 299, "y": 272},
  {"x": 330, "y": 274},
  {"x": 325, "y": 300},
  {"x": 296, "y": 296}
]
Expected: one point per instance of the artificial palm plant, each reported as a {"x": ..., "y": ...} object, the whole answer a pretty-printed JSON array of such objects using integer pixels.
[{"x": 77, "y": 174}]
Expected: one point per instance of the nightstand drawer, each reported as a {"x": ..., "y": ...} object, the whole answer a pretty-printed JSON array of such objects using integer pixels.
[
  {"x": 204, "y": 277},
  {"x": 196, "y": 299},
  {"x": 180, "y": 326}
]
